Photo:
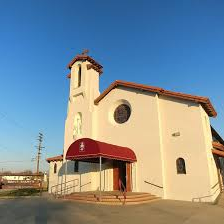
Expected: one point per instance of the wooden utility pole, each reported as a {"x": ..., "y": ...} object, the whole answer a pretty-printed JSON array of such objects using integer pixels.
[{"x": 39, "y": 148}]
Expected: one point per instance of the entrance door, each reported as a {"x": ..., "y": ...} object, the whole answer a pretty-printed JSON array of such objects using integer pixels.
[{"x": 121, "y": 171}]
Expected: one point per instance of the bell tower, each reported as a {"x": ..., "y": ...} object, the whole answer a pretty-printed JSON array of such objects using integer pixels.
[
  {"x": 84, "y": 76},
  {"x": 84, "y": 89}
]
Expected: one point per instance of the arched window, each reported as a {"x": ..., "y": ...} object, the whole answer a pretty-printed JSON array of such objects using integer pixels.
[
  {"x": 79, "y": 75},
  {"x": 77, "y": 125},
  {"x": 180, "y": 163},
  {"x": 55, "y": 168}
]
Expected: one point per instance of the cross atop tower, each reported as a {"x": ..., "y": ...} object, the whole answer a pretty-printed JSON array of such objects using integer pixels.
[{"x": 85, "y": 52}]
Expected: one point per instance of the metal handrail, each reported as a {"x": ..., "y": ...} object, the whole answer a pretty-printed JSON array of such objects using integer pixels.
[
  {"x": 206, "y": 196},
  {"x": 67, "y": 188},
  {"x": 123, "y": 190},
  {"x": 64, "y": 189},
  {"x": 155, "y": 185},
  {"x": 63, "y": 183}
]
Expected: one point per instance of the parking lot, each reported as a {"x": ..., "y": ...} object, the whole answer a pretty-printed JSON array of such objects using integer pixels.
[{"x": 43, "y": 210}]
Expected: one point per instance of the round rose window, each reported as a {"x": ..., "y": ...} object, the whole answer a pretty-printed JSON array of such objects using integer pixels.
[{"x": 122, "y": 113}]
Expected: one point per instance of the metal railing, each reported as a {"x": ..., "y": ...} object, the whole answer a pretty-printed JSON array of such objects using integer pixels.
[
  {"x": 62, "y": 188},
  {"x": 155, "y": 185},
  {"x": 199, "y": 199},
  {"x": 123, "y": 190}
]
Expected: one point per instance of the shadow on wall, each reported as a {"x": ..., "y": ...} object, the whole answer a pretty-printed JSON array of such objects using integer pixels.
[
  {"x": 70, "y": 170},
  {"x": 76, "y": 183},
  {"x": 84, "y": 168},
  {"x": 83, "y": 181}
]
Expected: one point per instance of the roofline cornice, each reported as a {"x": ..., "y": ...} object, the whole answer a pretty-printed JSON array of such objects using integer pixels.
[{"x": 204, "y": 101}]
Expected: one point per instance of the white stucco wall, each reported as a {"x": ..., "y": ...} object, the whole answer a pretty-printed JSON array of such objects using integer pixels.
[
  {"x": 213, "y": 172},
  {"x": 186, "y": 118},
  {"x": 54, "y": 178},
  {"x": 148, "y": 133},
  {"x": 140, "y": 133}
]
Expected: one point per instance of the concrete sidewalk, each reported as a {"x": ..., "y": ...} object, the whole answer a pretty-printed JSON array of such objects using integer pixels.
[{"x": 43, "y": 210}]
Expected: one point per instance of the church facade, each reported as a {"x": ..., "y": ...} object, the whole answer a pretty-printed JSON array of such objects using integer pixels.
[{"x": 136, "y": 138}]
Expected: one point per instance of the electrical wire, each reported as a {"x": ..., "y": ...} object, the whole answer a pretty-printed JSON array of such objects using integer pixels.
[{"x": 16, "y": 161}]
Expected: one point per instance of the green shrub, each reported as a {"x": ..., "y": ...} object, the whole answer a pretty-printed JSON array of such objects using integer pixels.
[{"x": 21, "y": 192}]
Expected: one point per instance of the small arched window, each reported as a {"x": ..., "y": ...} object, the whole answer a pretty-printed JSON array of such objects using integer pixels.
[
  {"x": 55, "y": 168},
  {"x": 181, "y": 168},
  {"x": 79, "y": 75}
]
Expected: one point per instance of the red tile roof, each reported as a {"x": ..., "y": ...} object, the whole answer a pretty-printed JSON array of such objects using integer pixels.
[
  {"x": 55, "y": 158},
  {"x": 217, "y": 152},
  {"x": 218, "y": 146},
  {"x": 204, "y": 101},
  {"x": 85, "y": 58},
  {"x": 94, "y": 65},
  {"x": 96, "y": 68},
  {"x": 217, "y": 136}
]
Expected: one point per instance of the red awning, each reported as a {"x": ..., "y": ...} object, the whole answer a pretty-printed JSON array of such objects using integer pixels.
[{"x": 86, "y": 148}]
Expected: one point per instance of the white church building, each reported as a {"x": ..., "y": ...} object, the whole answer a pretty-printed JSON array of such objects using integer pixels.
[{"x": 136, "y": 137}]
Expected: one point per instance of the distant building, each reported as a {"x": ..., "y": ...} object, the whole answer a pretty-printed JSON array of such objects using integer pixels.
[
  {"x": 16, "y": 180},
  {"x": 147, "y": 139},
  {"x": 55, "y": 164}
]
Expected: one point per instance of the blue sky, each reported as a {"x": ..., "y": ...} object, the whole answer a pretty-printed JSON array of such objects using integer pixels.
[{"x": 177, "y": 45}]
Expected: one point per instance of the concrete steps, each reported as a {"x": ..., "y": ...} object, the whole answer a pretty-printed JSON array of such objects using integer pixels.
[{"x": 112, "y": 198}]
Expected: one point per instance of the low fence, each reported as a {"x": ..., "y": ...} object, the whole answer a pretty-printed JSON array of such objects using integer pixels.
[{"x": 20, "y": 184}]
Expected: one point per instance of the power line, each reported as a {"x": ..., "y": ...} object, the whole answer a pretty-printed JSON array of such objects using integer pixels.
[
  {"x": 16, "y": 161},
  {"x": 26, "y": 131},
  {"x": 15, "y": 123},
  {"x": 11, "y": 120}
]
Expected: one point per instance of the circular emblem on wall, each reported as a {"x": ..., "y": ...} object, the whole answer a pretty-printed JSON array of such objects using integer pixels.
[{"x": 81, "y": 146}]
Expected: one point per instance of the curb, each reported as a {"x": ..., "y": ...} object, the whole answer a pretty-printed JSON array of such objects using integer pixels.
[{"x": 18, "y": 197}]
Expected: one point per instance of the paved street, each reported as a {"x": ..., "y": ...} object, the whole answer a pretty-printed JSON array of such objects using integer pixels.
[{"x": 41, "y": 210}]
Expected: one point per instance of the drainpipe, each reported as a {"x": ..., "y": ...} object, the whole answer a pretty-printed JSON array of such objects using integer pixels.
[
  {"x": 100, "y": 176},
  {"x": 66, "y": 169}
]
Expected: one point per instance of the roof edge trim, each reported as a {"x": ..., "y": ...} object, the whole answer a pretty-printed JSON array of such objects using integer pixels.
[{"x": 204, "y": 101}]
